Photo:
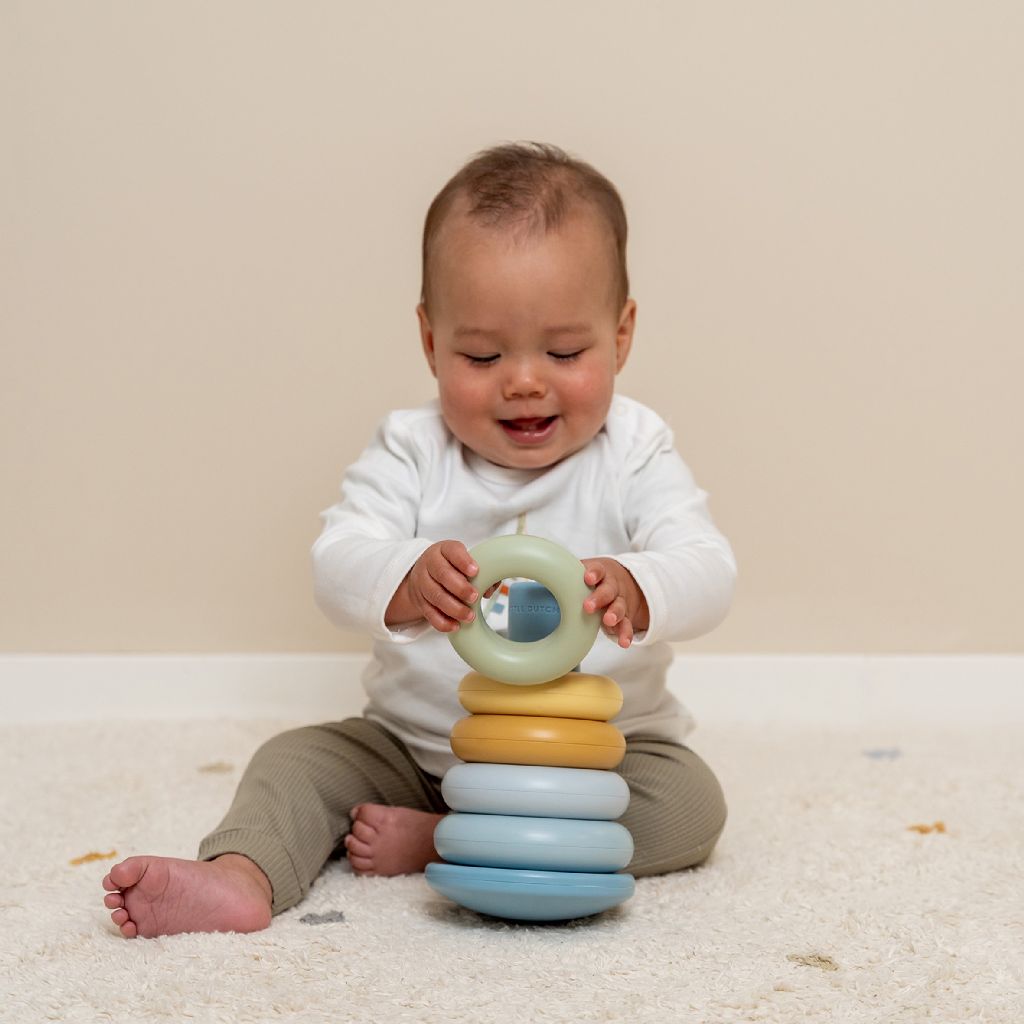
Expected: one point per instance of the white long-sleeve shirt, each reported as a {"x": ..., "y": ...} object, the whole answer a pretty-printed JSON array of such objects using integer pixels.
[{"x": 626, "y": 495}]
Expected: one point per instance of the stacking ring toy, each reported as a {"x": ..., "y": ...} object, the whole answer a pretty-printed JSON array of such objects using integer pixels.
[
  {"x": 525, "y": 739},
  {"x": 533, "y": 835},
  {"x": 576, "y": 695},
  {"x": 543, "y": 660},
  {"x": 535, "y": 790},
  {"x": 530, "y": 895}
]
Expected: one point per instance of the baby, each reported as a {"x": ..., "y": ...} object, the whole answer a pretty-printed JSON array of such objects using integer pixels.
[{"x": 525, "y": 320}]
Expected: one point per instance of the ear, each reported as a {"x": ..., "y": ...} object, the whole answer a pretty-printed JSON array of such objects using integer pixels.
[
  {"x": 426, "y": 337},
  {"x": 624, "y": 334}
]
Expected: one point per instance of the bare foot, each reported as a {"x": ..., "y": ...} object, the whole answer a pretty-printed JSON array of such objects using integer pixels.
[
  {"x": 165, "y": 895},
  {"x": 390, "y": 840}
]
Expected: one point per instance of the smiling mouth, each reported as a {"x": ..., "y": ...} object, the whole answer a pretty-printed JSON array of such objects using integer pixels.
[{"x": 531, "y": 430}]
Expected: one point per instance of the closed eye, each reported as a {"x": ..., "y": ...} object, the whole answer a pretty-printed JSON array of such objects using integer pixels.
[
  {"x": 481, "y": 360},
  {"x": 566, "y": 357}
]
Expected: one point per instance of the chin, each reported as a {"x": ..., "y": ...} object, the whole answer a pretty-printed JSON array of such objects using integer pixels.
[{"x": 533, "y": 458}]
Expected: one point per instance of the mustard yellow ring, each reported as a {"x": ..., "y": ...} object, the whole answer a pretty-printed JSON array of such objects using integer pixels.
[
  {"x": 575, "y": 695},
  {"x": 524, "y": 739}
]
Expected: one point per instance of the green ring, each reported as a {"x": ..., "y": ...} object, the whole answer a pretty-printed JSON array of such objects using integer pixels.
[{"x": 543, "y": 660}]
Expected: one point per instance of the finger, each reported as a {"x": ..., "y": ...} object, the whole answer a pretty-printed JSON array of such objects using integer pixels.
[
  {"x": 431, "y": 589},
  {"x": 446, "y": 603},
  {"x": 601, "y": 597},
  {"x": 614, "y": 613},
  {"x": 593, "y": 573},
  {"x": 625, "y": 633},
  {"x": 454, "y": 582},
  {"x": 441, "y": 622},
  {"x": 456, "y": 553}
]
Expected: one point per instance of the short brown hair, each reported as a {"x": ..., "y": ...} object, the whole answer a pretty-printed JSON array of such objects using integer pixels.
[{"x": 533, "y": 184}]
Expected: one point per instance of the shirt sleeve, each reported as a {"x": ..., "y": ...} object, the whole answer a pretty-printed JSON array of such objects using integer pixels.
[
  {"x": 682, "y": 563},
  {"x": 368, "y": 543}
]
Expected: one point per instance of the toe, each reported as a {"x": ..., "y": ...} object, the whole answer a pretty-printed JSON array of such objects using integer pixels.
[
  {"x": 362, "y": 831},
  {"x": 129, "y": 872},
  {"x": 119, "y": 917},
  {"x": 361, "y": 865},
  {"x": 356, "y": 847},
  {"x": 374, "y": 815},
  {"x": 128, "y": 930},
  {"x": 113, "y": 900}
]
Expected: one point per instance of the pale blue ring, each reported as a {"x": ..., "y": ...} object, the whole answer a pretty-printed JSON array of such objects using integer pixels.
[
  {"x": 525, "y": 789},
  {"x": 529, "y": 895},
  {"x": 537, "y": 844}
]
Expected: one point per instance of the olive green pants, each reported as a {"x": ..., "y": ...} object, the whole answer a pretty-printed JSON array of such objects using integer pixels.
[{"x": 291, "y": 811}]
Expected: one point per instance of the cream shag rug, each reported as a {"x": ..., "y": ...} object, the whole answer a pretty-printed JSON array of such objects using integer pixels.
[{"x": 821, "y": 902}]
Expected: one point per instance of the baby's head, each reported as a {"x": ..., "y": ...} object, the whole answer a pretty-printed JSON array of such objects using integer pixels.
[{"x": 525, "y": 312}]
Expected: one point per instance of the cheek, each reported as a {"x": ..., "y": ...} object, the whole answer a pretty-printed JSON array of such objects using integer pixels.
[
  {"x": 590, "y": 391},
  {"x": 462, "y": 394}
]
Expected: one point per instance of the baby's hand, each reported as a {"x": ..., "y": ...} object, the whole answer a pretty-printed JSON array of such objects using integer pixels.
[
  {"x": 617, "y": 592},
  {"x": 437, "y": 588}
]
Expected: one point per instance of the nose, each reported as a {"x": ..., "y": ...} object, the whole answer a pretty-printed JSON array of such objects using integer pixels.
[{"x": 524, "y": 379}]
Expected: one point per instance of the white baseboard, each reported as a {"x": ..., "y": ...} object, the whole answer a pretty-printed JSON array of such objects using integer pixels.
[{"x": 749, "y": 690}]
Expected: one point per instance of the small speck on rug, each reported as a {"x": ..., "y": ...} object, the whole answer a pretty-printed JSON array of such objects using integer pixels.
[
  {"x": 883, "y": 753},
  {"x": 216, "y": 766},
  {"x": 88, "y": 858},
  {"x": 826, "y": 963},
  {"x": 330, "y": 917},
  {"x": 939, "y": 826}
]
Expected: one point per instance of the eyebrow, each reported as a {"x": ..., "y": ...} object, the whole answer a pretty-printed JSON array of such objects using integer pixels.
[{"x": 483, "y": 332}]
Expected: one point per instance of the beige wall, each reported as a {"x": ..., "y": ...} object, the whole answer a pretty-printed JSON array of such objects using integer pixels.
[{"x": 209, "y": 221}]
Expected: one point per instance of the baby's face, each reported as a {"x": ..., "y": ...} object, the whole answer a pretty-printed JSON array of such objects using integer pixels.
[{"x": 524, "y": 338}]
